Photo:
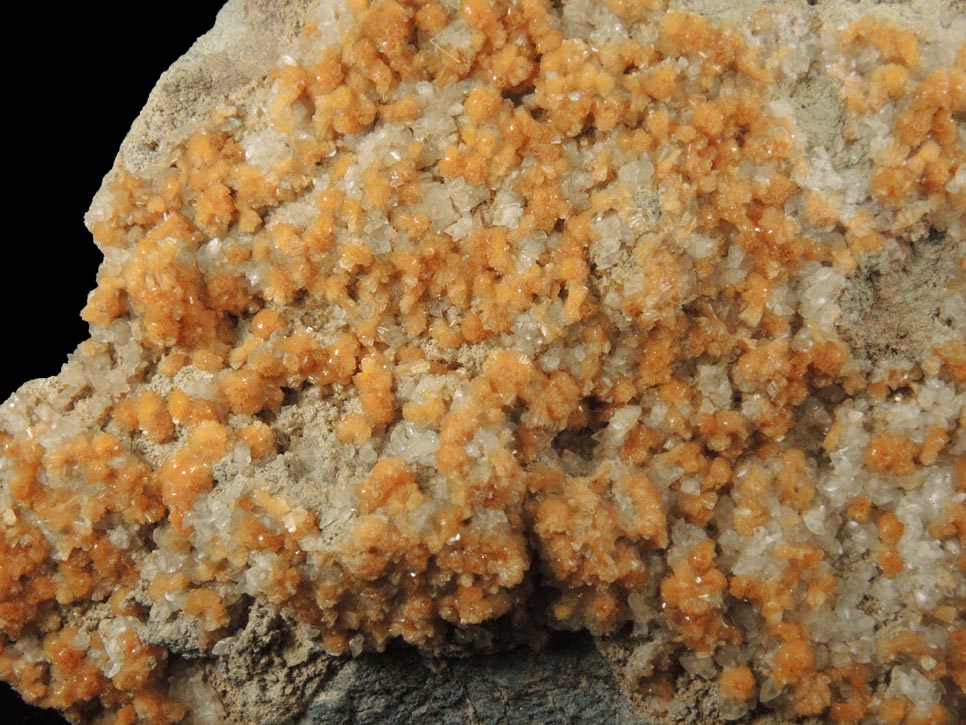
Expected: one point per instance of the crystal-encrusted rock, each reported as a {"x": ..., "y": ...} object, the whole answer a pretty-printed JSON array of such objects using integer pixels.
[{"x": 434, "y": 330}]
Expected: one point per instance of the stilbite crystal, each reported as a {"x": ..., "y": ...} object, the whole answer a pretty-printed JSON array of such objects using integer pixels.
[{"x": 467, "y": 322}]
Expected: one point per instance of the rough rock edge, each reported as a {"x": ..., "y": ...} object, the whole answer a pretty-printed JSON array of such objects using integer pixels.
[{"x": 223, "y": 66}]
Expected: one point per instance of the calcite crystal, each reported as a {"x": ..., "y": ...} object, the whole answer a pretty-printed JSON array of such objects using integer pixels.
[{"x": 467, "y": 322}]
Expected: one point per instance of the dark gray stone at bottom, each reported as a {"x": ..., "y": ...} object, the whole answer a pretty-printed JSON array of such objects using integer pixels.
[{"x": 567, "y": 682}]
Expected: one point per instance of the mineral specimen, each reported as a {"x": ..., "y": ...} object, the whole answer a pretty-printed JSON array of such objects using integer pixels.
[{"x": 466, "y": 322}]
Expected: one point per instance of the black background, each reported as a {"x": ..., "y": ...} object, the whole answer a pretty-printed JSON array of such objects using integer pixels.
[{"x": 74, "y": 85}]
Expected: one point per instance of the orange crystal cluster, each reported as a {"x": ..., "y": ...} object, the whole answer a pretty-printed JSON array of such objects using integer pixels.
[{"x": 514, "y": 310}]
